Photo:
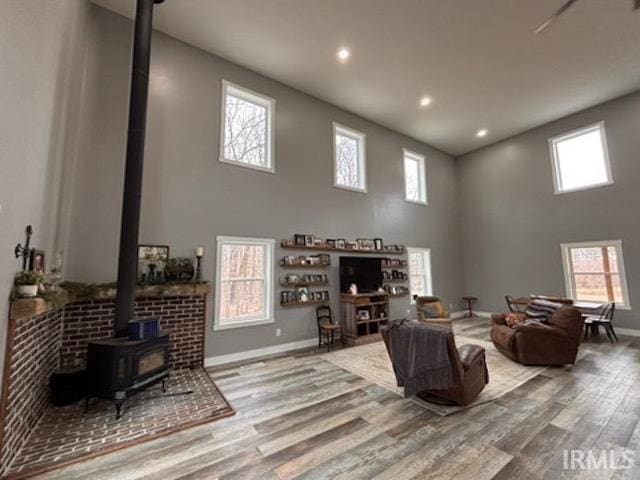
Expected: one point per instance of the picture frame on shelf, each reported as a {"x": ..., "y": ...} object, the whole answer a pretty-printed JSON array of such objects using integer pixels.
[
  {"x": 299, "y": 240},
  {"x": 308, "y": 240},
  {"x": 341, "y": 243},
  {"x": 152, "y": 260},
  {"x": 330, "y": 243},
  {"x": 365, "y": 244},
  {"x": 36, "y": 261},
  {"x": 377, "y": 243},
  {"x": 302, "y": 294}
]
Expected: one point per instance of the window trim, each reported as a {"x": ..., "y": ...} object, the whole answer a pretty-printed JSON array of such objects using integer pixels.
[
  {"x": 428, "y": 275},
  {"x": 269, "y": 281},
  {"x": 422, "y": 175},
  {"x": 259, "y": 99},
  {"x": 555, "y": 160},
  {"x": 361, "y": 138},
  {"x": 569, "y": 274}
]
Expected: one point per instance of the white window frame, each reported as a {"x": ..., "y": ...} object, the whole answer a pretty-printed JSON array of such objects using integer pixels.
[
  {"x": 259, "y": 99},
  {"x": 361, "y": 138},
  {"x": 428, "y": 274},
  {"x": 555, "y": 160},
  {"x": 569, "y": 274},
  {"x": 422, "y": 176},
  {"x": 269, "y": 243}
]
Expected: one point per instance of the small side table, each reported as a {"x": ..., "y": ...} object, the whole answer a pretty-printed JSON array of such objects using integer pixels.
[{"x": 470, "y": 301}]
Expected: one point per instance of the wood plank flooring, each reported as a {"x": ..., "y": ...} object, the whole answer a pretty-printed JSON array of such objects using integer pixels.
[{"x": 300, "y": 417}]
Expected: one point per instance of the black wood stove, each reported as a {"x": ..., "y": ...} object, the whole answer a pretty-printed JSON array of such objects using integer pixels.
[{"x": 119, "y": 367}]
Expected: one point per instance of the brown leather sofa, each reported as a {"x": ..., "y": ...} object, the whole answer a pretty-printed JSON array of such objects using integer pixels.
[
  {"x": 470, "y": 374},
  {"x": 555, "y": 343}
]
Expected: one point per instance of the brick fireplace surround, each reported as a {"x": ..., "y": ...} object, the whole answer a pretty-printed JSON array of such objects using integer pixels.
[{"x": 42, "y": 338}]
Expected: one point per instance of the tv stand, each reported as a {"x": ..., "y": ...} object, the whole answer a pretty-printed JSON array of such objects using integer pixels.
[{"x": 360, "y": 328}]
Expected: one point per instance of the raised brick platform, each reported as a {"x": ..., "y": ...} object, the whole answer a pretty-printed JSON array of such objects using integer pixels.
[
  {"x": 43, "y": 337},
  {"x": 67, "y": 435}
]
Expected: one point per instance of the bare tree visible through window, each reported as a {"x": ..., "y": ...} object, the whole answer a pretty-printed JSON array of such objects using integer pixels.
[
  {"x": 595, "y": 272},
  {"x": 349, "y": 159},
  {"x": 411, "y": 175},
  {"x": 246, "y": 128},
  {"x": 244, "y": 281},
  {"x": 419, "y": 271}
]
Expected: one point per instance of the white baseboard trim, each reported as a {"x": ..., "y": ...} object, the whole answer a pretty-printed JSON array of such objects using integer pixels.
[
  {"x": 259, "y": 352},
  {"x": 632, "y": 332}
]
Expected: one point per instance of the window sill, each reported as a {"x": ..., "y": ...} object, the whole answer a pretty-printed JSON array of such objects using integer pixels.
[
  {"x": 557, "y": 191},
  {"x": 248, "y": 323},
  {"x": 424, "y": 203},
  {"x": 271, "y": 170},
  {"x": 351, "y": 189}
]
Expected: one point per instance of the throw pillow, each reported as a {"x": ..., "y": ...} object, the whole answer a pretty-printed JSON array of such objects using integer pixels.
[
  {"x": 542, "y": 310},
  {"x": 513, "y": 319},
  {"x": 430, "y": 311}
]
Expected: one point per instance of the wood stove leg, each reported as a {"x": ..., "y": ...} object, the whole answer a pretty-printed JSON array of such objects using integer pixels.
[
  {"x": 164, "y": 385},
  {"x": 86, "y": 404},
  {"x": 118, "y": 404}
]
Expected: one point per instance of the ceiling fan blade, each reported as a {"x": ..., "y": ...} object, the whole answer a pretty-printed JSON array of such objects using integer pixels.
[{"x": 557, "y": 13}]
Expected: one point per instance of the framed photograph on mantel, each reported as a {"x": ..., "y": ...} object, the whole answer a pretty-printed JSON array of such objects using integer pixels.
[{"x": 151, "y": 262}]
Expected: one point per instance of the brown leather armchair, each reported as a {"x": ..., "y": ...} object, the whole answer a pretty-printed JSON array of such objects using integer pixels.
[
  {"x": 470, "y": 374},
  {"x": 555, "y": 343}
]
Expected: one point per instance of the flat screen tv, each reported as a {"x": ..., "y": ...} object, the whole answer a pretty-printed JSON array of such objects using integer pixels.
[{"x": 365, "y": 272}]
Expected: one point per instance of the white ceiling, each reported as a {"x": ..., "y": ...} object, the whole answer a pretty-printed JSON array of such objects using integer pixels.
[{"x": 478, "y": 59}]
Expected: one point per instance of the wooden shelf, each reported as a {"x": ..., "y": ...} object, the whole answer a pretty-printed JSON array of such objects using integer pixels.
[
  {"x": 395, "y": 280},
  {"x": 303, "y": 304},
  {"x": 346, "y": 250},
  {"x": 397, "y": 295},
  {"x": 305, "y": 265},
  {"x": 304, "y": 284}
]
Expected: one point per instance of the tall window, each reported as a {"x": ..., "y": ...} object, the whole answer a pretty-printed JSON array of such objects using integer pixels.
[
  {"x": 594, "y": 271},
  {"x": 349, "y": 159},
  {"x": 415, "y": 177},
  {"x": 580, "y": 159},
  {"x": 419, "y": 271},
  {"x": 244, "y": 282},
  {"x": 247, "y": 128}
]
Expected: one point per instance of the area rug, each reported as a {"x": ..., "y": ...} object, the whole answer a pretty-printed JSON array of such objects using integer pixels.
[
  {"x": 67, "y": 435},
  {"x": 372, "y": 363}
]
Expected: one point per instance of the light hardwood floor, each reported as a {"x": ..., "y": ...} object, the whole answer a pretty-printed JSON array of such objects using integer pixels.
[{"x": 304, "y": 418}]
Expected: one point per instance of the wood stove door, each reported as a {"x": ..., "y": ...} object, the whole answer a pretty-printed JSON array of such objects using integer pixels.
[{"x": 151, "y": 361}]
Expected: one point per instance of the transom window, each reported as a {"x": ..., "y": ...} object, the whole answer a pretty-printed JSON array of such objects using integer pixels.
[
  {"x": 247, "y": 128},
  {"x": 349, "y": 159},
  {"x": 580, "y": 159},
  {"x": 415, "y": 177},
  {"x": 594, "y": 271},
  {"x": 419, "y": 272},
  {"x": 244, "y": 282}
]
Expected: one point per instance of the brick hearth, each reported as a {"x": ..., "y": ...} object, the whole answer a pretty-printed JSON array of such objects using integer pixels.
[{"x": 42, "y": 338}]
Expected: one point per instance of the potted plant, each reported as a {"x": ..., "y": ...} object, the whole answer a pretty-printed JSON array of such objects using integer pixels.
[{"x": 27, "y": 283}]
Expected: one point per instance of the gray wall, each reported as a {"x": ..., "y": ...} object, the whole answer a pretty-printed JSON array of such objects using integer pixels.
[
  {"x": 42, "y": 48},
  {"x": 512, "y": 223},
  {"x": 190, "y": 197}
]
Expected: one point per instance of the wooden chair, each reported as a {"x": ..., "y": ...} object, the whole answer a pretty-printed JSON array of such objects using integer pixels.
[
  {"x": 327, "y": 328},
  {"x": 605, "y": 319}
]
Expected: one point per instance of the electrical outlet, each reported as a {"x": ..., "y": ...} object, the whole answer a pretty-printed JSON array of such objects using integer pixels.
[{"x": 278, "y": 332}]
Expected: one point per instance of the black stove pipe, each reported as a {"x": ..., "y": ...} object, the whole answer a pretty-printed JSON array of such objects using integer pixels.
[{"x": 128, "y": 260}]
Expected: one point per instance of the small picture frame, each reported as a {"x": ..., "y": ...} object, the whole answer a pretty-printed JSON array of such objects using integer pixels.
[
  {"x": 302, "y": 294},
  {"x": 299, "y": 240},
  {"x": 363, "y": 315},
  {"x": 378, "y": 245},
  {"x": 365, "y": 244},
  {"x": 341, "y": 243},
  {"x": 331, "y": 243},
  {"x": 36, "y": 261},
  {"x": 308, "y": 240}
]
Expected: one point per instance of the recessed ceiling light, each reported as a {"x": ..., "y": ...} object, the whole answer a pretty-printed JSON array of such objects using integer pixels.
[
  {"x": 343, "y": 54},
  {"x": 482, "y": 133},
  {"x": 425, "y": 101}
]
